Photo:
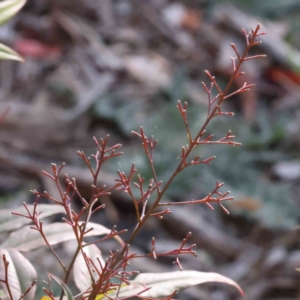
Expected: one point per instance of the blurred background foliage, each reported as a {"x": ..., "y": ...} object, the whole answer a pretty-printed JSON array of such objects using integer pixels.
[{"x": 95, "y": 68}]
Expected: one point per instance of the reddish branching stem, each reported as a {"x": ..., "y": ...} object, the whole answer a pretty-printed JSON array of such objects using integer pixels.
[
  {"x": 214, "y": 197},
  {"x": 124, "y": 184},
  {"x": 214, "y": 110},
  {"x": 38, "y": 225},
  {"x": 103, "y": 154},
  {"x": 6, "y": 279},
  {"x": 115, "y": 266},
  {"x": 7, "y": 283},
  {"x": 28, "y": 290},
  {"x": 182, "y": 250}
]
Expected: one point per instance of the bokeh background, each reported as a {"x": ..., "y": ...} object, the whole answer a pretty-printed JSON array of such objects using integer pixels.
[{"x": 107, "y": 67}]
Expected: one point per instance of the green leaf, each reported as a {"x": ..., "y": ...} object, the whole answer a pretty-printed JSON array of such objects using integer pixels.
[
  {"x": 164, "y": 284},
  {"x": 9, "y": 222},
  {"x": 21, "y": 274},
  {"x": 26, "y": 239},
  {"x": 66, "y": 289},
  {"x": 81, "y": 273},
  {"x": 9, "y": 8},
  {"x": 7, "y": 53}
]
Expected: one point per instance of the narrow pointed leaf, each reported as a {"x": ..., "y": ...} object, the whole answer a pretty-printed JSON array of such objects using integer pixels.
[
  {"x": 21, "y": 274},
  {"x": 9, "y": 222},
  {"x": 9, "y": 8},
  {"x": 26, "y": 239},
  {"x": 7, "y": 53},
  {"x": 66, "y": 289},
  {"x": 164, "y": 284},
  {"x": 81, "y": 274}
]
